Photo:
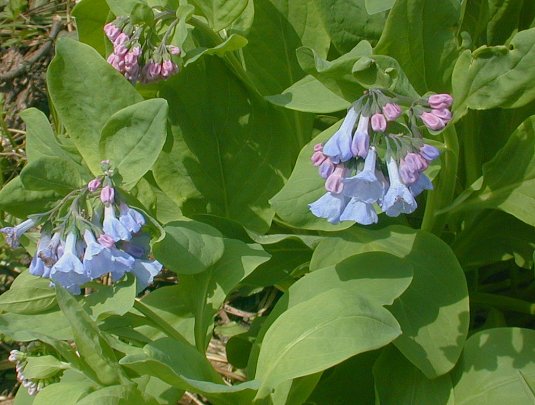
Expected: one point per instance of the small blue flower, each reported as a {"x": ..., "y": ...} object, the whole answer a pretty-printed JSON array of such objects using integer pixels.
[
  {"x": 145, "y": 271},
  {"x": 13, "y": 233},
  {"x": 361, "y": 140},
  {"x": 398, "y": 199},
  {"x": 69, "y": 270},
  {"x": 113, "y": 227},
  {"x": 330, "y": 206},
  {"x": 360, "y": 212},
  {"x": 365, "y": 186},
  {"x": 99, "y": 259},
  {"x": 130, "y": 218},
  {"x": 421, "y": 184},
  {"x": 37, "y": 265},
  {"x": 338, "y": 147}
]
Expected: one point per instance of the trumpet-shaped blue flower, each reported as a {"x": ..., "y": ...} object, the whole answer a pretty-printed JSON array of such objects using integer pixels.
[
  {"x": 101, "y": 258},
  {"x": 361, "y": 140},
  {"x": 398, "y": 199},
  {"x": 360, "y": 212},
  {"x": 37, "y": 265},
  {"x": 130, "y": 218},
  {"x": 69, "y": 270},
  {"x": 113, "y": 227},
  {"x": 338, "y": 147},
  {"x": 145, "y": 271},
  {"x": 13, "y": 233},
  {"x": 423, "y": 183},
  {"x": 365, "y": 186},
  {"x": 330, "y": 206}
]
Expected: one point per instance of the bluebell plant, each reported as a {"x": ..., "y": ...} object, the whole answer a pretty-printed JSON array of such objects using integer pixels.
[
  {"x": 90, "y": 233},
  {"x": 376, "y": 160}
]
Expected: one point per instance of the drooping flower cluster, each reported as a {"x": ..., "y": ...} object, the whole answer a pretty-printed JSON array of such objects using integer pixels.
[
  {"x": 376, "y": 160},
  {"x": 134, "y": 54},
  {"x": 100, "y": 235},
  {"x": 20, "y": 358}
]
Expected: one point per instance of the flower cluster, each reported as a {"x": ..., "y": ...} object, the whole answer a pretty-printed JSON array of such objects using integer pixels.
[
  {"x": 20, "y": 358},
  {"x": 135, "y": 57},
  {"x": 99, "y": 235},
  {"x": 368, "y": 167}
]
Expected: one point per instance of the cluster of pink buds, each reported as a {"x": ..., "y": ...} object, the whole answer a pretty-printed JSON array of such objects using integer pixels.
[
  {"x": 439, "y": 115},
  {"x": 145, "y": 63}
]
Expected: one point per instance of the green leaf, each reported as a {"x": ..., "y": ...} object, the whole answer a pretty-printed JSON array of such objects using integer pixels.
[
  {"x": 93, "y": 348},
  {"x": 51, "y": 173},
  {"x": 133, "y": 138},
  {"x": 495, "y": 236},
  {"x": 319, "y": 333},
  {"x": 207, "y": 291},
  {"x": 348, "y": 23},
  {"x": 398, "y": 382},
  {"x": 220, "y": 13},
  {"x": 202, "y": 168},
  {"x": 232, "y": 43},
  {"x": 124, "y": 7},
  {"x": 84, "y": 102},
  {"x": 309, "y": 95},
  {"x": 118, "y": 395},
  {"x": 508, "y": 181},
  {"x": 376, "y": 6},
  {"x": 25, "y": 328},
  {"x": 421, "y": 36},
  {"x": 498, "y": 366},
  {"x": 43, "y": 367},
  {"x": 189, "y": 247},
  {"x": 305, "y": 186},
  {"x": 18, "y": 201},
  {"x": 65, "y": 393},
  {"x": 28, "y": 295},
  {"x": 91, "y": 15},
  {"x": 496, "y": 76},
  {"x": 111, "y": 300},
  {"x": 433, "y": 311}
]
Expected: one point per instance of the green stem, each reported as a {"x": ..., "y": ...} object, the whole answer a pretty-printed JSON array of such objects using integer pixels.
[
  {"x": 443, "y": 194},
  {"x": 158, "y": 321},
  {"x": 503, "y": 303}
]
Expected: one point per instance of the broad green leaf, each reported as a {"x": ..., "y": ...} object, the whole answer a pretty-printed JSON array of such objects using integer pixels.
[
  {"x": 398, "y": 382},
  {"x": 348, "y": 23},
  {"x": 28, "y": 295},
  {"x": 337, "y": 74},
  {"x": 23, "y": 398},
  {"x": 346, "y": 381},
  {"x": 118, "y": 395},
  {"x": 496, "y": 76},
  {"x": 111, "y": 300},
  {"x": 421, "y": 36},
  {"x": 309, "y": 95},
  {"x": 51, "y": 174},
  {"x": 91, "y": 344},
  {"x": 133, "y": 138},
  {"x": 319, "y": 333},
  {"x": 376, "y": 6},
  {"x": 25, "y": 328},
  {"x": 295, "y": 391},
  {"x": 65, "y": 393},
  {"x": 43, "y": 367},
  {"x": 508, "y": 181},
  {"x": 124, "y": 7},
  {"x": 497, "y": 367},
  {"x": 305, "y": 186},
  {"x": 189, "y": 247},
  {"x": 219, "y": 134},
  {"x": 85, "y": 102},
  {"x": 91, "y": 15},
  {"x": 207, "y": 291},
  {"x": 433, "y": 311},
  {"x": 232, "y": 43},
  {"x": 495, "y": 236},
  {"x": 220, "y": 13},
  {"x": 18, "y": 201}
]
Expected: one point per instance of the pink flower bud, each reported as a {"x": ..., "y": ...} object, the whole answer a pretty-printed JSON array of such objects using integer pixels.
[
  {"x": 107, "y": 195},
  {"x": 174, "y": 50},
  {"x": 318, "y": 158},
  {"x": 93, "y": 185},
  {"x": 378, "y": 122},
  {"x": 168, "y": 68},
  {"x": 121, "y": 39},
  {"x": 111, "y": 31},
  {"x": 440, "y": 101},
  {"x": 318, "y": 147},
  {"x": 391, "y": 111},
  {"x": 431, "y": 121},
  {"x": 106, "y": 241},
  {"x": 334, "y": 182},
  {"x": 444, "y": 114}
]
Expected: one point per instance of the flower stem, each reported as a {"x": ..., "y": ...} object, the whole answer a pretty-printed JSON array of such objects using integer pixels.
[
  {"x": 503, "y": 303},
  {"x": 158, "y": 321},
  {"x": 443, "y": 194}
]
